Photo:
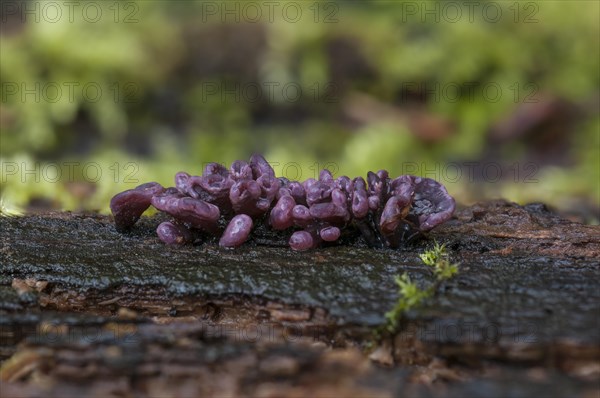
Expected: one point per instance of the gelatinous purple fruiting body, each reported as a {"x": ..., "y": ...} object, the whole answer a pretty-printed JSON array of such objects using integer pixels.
[
  {"x": 128, "y": 206},
  {"x": 237, "y": 231},
  {"x": 229, "y": 203}
]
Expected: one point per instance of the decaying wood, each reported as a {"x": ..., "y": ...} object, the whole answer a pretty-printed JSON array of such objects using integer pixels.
[{"x": 85, "y": 308}]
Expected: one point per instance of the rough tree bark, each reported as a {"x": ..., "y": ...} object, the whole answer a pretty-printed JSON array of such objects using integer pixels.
[{"x": 87, "y": 310}]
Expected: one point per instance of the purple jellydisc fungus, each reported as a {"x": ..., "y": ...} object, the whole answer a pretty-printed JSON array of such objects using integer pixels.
[
  {"x": 195, "y": 212},
  {"x": 360, "y": 202},
  {"x": 228, "y": 202},
  {"x": 128, "y": 206},
  {"x": 244, "y": 196},
  {"x": 301, "y": 216},
  {"x": 237, "y": 231},
  {"x": 330, "y": 234},
  {"x": 432, "y": 204},
  {"x": 173, "y": 233},
  {"x": 302, "y": 240},
  {"x": 281, "y": 216}
]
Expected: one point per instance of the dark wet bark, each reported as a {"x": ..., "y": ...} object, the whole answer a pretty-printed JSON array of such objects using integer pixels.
[{"x": 258, "y": 319}]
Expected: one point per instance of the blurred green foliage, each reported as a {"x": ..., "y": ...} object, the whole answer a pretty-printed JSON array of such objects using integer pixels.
[{"x": 354, "y": 86}]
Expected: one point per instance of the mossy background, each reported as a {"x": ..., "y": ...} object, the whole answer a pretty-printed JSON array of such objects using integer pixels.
[{"x": 492, "y": 104}]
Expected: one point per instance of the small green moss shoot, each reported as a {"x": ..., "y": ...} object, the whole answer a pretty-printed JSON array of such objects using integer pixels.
[
  {"x": 439, "y": 260},
  {"x": 410, "y": 297},
  {"x": 410, "y": 294}
]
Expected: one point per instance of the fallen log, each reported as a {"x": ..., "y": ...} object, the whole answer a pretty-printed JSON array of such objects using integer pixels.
[{"x": 526, "y": 295}]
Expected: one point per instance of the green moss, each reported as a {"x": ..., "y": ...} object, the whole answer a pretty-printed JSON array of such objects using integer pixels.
[
  {"x": 406, "y": 92},
  {"x": 410, "y": 295}
]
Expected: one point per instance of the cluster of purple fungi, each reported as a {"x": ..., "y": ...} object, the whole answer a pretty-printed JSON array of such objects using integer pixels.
[{"x": 228, "y": 203}]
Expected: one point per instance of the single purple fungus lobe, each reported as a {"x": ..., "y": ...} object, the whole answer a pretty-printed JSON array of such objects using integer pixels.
[
  {"x": 237, "y": 231},
  {"x": 301, "y": 240},
  {"x": 282, "y": 214},
  {"x": 128, "y": 206},
  {"x": 432, "y": 203},
  {"x": 330, "y": 234},
  {"x": 173, "y": 234}
]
